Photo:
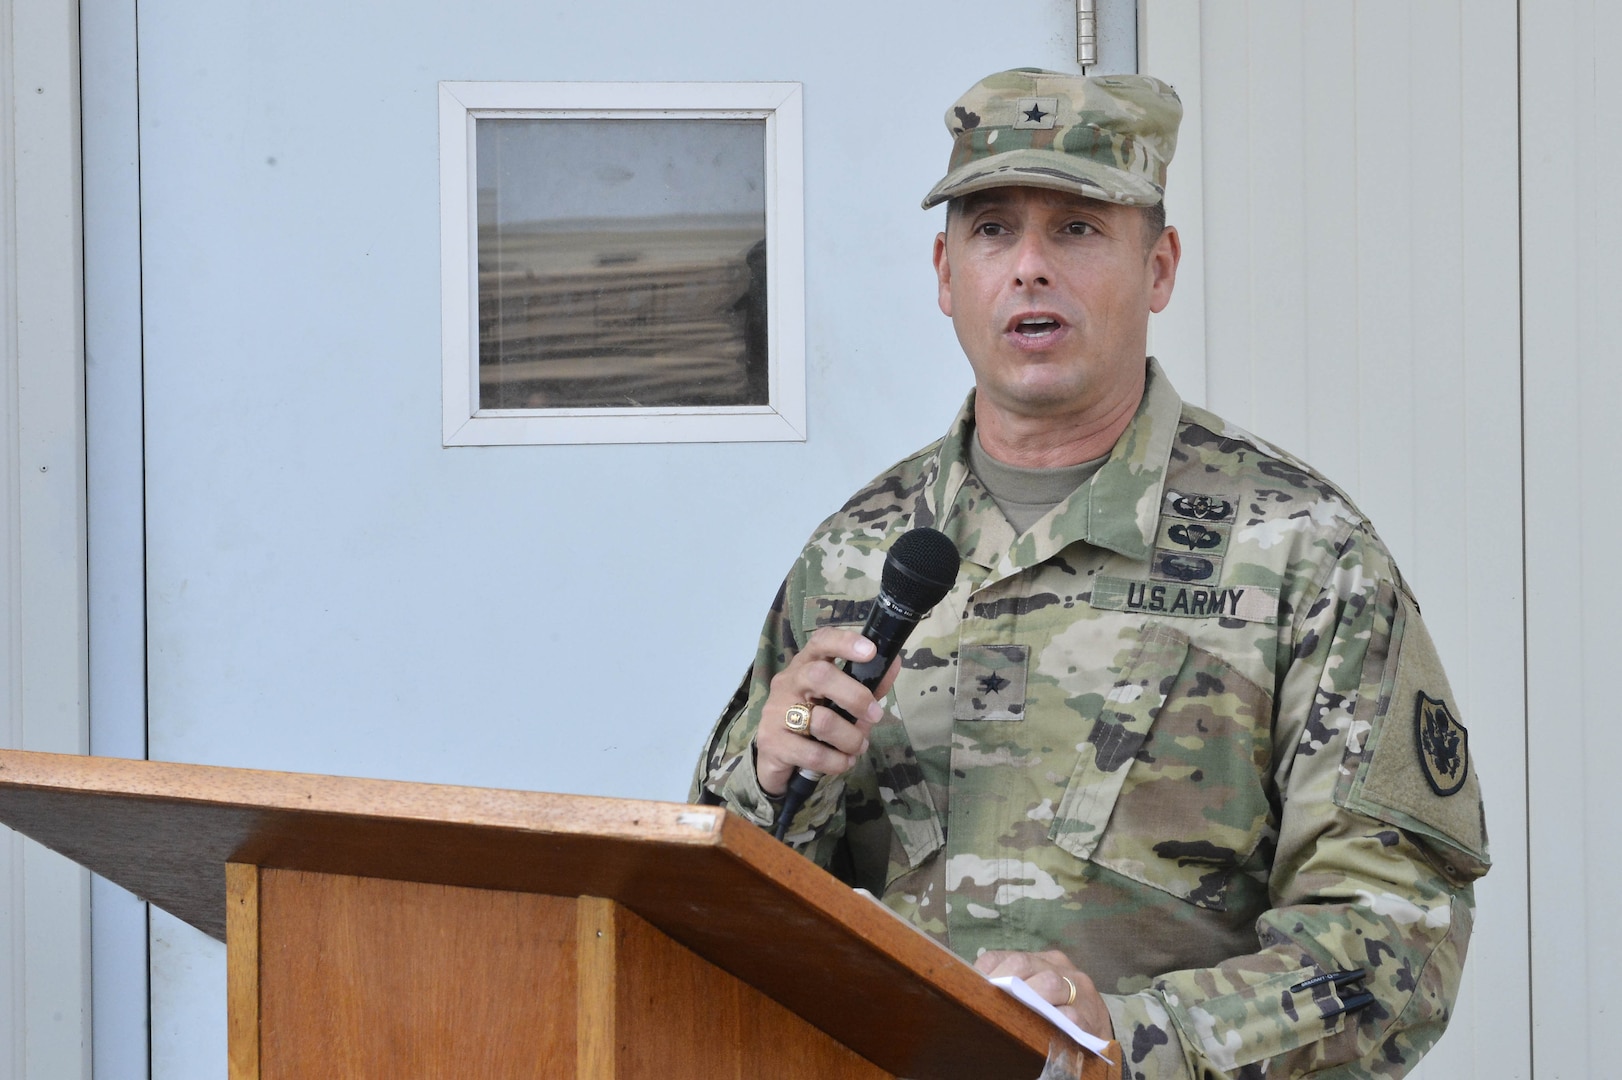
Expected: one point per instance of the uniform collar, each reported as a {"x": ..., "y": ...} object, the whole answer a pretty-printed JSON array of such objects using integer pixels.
[{"x": 1118, "y": 509}]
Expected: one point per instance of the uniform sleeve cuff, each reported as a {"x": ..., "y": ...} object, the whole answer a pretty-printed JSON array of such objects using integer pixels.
[
  {"x": 744, "y": 794},
  {"x": 823, "y": 811},
  {"x": 1148, "y": 1038}
]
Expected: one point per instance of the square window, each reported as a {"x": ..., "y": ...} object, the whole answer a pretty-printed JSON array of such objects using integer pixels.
[{"x": 622, "y": 262}]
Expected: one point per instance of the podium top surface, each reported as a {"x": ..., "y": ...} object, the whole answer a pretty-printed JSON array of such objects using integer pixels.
[{"x": 710, "y": 880}]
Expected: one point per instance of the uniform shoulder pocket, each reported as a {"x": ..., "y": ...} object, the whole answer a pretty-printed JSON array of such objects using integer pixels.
[{"x": 1409, "y": 755}]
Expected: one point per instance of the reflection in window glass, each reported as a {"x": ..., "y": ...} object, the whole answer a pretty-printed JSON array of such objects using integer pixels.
[{"x": 621, "y": 263}]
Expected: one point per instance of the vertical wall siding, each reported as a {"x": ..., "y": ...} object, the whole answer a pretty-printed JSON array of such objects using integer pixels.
[
  {"x": 12, "y": 992},
  {"x": 1361, "y": 302},
  {"x": 114, "y": 465},
  {"x": 1572, "y": 226},
  {"x": 1169, "y": 35},
  {"x": 1481, "y": 555},
  {"x": 44, "y": 898}
]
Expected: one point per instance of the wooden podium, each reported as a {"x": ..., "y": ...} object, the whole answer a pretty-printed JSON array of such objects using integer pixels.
[{"x": 385, "y": 929}]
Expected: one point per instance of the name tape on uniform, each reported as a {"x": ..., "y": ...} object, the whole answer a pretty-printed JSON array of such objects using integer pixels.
[{"x": 1252, "y": 603}]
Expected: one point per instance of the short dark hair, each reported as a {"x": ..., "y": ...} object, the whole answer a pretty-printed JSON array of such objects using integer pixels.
[
  {"x": 1154, "y": 218},
  {"x": 1154, "y": 222}
]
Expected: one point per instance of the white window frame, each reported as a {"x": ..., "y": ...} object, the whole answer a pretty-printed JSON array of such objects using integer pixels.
[{"x": 461, "y": 104}]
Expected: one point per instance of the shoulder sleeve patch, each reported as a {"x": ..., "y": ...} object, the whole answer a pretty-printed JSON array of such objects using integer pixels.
[
  {"x": 1444, "y": 750},
  {"x": 1413, "y": 769}
]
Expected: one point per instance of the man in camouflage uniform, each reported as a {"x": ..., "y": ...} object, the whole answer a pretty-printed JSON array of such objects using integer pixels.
[{"x": 1176, "y": 747}]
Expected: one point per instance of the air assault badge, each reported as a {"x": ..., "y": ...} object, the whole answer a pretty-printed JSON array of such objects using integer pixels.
[{"x": 1443, "y": 745}]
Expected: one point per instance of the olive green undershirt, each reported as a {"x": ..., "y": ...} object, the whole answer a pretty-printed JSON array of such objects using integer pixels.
[{"x": 1024, "y": 496}]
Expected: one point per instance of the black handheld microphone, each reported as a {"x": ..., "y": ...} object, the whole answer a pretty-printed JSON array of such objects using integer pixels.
[{"x": 918, "y": 573}]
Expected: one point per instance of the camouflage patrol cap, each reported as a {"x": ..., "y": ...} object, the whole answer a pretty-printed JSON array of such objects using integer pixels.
[{"x": 1108, "y": 137}]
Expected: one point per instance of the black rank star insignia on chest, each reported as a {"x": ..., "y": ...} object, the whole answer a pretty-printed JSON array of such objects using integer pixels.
[
  {"x": 992, "y": 683},
  {"x": 1443, "y": 745}
]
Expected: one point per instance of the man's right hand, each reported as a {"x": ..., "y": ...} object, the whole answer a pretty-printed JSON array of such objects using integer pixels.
[{"x": 812, "y": 677}]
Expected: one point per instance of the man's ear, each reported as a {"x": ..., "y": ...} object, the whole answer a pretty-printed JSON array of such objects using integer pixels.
[
  {"x": 1163, "y": 259},
  {"x": 943, "y": 275}
]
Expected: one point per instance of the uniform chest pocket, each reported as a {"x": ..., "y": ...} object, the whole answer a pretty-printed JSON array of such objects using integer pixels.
[
  {"x": 893, "y": 793},
  {"x": 1170, "y": 789},
  {"x": 846, "y": 612}
]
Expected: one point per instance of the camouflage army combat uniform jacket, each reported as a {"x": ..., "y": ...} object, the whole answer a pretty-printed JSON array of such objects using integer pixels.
[{"x": 1193, "y": 734}]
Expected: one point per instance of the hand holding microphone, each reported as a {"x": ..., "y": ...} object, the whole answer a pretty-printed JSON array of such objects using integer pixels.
[{"x": 845, "y": 673}]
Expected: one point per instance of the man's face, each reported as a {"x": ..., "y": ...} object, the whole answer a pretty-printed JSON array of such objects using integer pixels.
[{"x": 1050, "y": 294}]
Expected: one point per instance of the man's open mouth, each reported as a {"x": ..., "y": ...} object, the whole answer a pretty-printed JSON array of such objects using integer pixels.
[{"x": 1036, "y": 326}]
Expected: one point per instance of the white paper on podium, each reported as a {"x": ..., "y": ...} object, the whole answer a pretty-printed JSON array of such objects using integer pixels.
[
  {"x": 1016, "y": 986},
  {"x": 1021, "y": 990}
]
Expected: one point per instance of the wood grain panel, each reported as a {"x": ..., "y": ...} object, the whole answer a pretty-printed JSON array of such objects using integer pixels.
[
  {"x": 165, "y": 831},
  {"x": 709, "y": 1023},
  {"x": 486, "y": 989},
  {"x": 176, "y": 824},
  {"x": 242, "y": 969},
  {"x": 597, "y": 1020}
]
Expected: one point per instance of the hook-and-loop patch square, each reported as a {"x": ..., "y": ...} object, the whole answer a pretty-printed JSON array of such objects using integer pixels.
[{"x": 991, "y": 682}]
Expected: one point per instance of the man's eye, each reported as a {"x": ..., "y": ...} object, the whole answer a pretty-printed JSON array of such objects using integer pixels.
[
  {"x": 1079, "y": 228},
  {"x": 991, "y": 228}
]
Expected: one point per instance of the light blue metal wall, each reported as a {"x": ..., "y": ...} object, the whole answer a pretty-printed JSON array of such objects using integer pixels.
[{"x": 327, "y": 588}]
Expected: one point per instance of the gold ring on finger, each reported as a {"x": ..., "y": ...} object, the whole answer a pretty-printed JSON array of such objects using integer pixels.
[
  {"x": 797, "y": 718},
  {"x": 1071, "y": 1000}
]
